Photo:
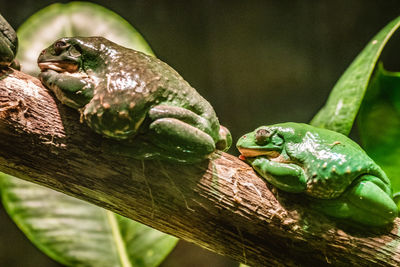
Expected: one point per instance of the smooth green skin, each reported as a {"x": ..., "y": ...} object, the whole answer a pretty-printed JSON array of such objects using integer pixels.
[
  {"x": 334, "y": 171},
  {"x": 8, "y": 43},
  {"x": 122, "y": 93}
]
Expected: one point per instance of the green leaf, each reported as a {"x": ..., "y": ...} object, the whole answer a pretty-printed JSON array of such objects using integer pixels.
[
  {"x": 343, "y": 104},
  {"x": 379, "y": 123},
  {"x": 73, "y": 232},
  {"x": 69, "y": 230}
]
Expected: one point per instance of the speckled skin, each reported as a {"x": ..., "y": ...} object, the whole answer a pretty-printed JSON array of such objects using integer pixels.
[
  {"x": 324, "y": 165},
  {"x": 8, "y": 43},
  {"x": 122, "y": 93}
]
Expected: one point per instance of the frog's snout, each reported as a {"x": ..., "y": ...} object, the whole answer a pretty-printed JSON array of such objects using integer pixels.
[{"x": 41, "y": 57}]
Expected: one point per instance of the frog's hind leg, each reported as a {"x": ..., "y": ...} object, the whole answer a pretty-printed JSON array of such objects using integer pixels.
[
  {"x": 207, "y": 123},
  {"x": 368, "y": 201},
  {"x": 175, "y": 135},
  {"x": 182, "y": 114},
  {"x": 181, "y": 131}
]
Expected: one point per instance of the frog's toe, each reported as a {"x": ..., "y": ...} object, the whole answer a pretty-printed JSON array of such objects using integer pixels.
[
  {"x": 225, "y": 139},
  {"x": 179, "y": 113}
]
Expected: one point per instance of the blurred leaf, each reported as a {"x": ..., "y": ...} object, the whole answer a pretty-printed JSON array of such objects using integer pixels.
[
  {"x": 343, "y": 103},
  {"x": 69, "y": 230},
  {"x": 379, "y": 123},
  {"x": 73, "y": 232}
]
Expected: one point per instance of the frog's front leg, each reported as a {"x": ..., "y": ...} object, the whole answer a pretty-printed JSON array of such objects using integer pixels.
[
  {"x": 73, "y": 91},
  {"x": 181, "y": 131},
  {"x": 286, "y": 176},
  {"x": 367, "y": 201}
]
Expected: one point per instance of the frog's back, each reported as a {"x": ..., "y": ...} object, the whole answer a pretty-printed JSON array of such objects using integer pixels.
[
  {"x": 331, "y": 161},
  {"x": 136, "y": 74},
  {"x": 134, "y": 83}
]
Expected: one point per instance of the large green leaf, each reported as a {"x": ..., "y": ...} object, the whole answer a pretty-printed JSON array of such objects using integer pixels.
[
  {"x": 343, "y": 104},
  {"x": 69, "y": 230},
  {"x": 379, "y": 123},
  {"x": 76, "y": 233}
]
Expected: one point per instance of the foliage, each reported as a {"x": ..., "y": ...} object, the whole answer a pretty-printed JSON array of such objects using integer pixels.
[
  {"x": 346, "y": 97},
  {"x": 75, "y": 232},
  {"x": 379, "y": 122},
  {"x": 377, "y": 99}
]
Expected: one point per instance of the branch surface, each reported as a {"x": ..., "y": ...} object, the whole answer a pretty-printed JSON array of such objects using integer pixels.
[{"x": 220, "y": 204}]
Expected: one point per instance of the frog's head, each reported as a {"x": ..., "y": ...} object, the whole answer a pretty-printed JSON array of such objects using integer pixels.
[
  {"x": 70, "y": 67},
  {"x": 64, "y": 55},
  {"x": 75, "y": 54},
  {"x": 263, "y": 141}
]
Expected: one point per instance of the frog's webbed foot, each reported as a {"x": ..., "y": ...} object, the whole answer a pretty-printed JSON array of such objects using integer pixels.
[
  {"x": 180, "y": 130},
  {"x": 225, "y": 139},
  {"x": 288, "y": 177},
  {"x": 65, "y": 87},
  {"x": 368, "y": 201}
]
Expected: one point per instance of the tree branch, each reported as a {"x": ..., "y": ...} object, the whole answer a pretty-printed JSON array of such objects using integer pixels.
[{"x": 220, "y": 204}]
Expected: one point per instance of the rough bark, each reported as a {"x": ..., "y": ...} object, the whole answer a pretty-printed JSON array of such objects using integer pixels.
[{"x": 219, "y": 204}]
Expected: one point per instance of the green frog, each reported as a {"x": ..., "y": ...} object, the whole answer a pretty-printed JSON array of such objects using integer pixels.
[
  {"x": 338, "y": 176},
  {"x": 8, "y": 44},
  {"x": 124, "y": 94}
]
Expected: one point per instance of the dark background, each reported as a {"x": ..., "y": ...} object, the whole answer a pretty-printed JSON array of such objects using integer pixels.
[{"x": 257, "y": 62}]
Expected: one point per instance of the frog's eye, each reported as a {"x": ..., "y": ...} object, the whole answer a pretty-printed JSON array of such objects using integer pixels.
[
  {"x": 59, "y": 46},
  {"x": 262, "y": 136}
]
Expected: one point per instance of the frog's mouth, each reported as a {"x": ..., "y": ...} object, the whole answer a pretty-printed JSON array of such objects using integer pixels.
[
  {"x": 252, "y": 152},
  {"x": 59, "y": 66}
]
